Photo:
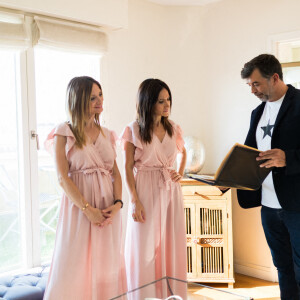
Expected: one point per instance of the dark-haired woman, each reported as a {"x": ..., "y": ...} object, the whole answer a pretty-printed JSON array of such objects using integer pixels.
[
  {"x": 156, "y": 240},
  {"x": 87, "y": 263}
]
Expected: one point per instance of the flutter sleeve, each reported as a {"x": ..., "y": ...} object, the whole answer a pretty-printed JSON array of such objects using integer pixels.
[
  {"x": 131, "y": 134},
  {"x": 179, "y": 138},
  {"x": 62, "y": 129},
  {"x": 113, "y": 139}
]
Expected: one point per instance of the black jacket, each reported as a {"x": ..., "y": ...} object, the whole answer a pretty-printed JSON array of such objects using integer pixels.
[{"x": 286, "y": 136}]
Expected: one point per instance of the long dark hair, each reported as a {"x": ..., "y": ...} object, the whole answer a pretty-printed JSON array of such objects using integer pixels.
[
  {"x": 78, "y": 103},
  {"x": 147, "y": 97}
]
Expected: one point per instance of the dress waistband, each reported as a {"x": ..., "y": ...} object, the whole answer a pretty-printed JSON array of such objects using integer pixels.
[
  {"x": 164, "y": 171},
  {"x": 90, "y": 171}
]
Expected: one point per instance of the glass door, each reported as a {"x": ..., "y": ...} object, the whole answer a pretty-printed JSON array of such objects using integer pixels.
[
  {"x": 53, "y": 71},
  {"x": 11, "y": 256}
]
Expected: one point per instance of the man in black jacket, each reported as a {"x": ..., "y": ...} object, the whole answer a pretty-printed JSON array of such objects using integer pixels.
[{"x": 275, "y": 129}]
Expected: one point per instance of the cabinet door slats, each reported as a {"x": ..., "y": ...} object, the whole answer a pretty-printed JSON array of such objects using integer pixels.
[{"x": 209, "y": 235}]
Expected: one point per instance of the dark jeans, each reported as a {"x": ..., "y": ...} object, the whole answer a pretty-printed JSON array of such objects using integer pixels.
[{"x": 282, "y": 231}]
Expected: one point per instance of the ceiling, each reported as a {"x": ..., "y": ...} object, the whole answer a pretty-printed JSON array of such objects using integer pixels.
[{"x": 184, "y": 2}]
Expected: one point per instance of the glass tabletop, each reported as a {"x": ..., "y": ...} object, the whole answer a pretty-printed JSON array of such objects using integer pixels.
[{"x": 176, "y": 289}]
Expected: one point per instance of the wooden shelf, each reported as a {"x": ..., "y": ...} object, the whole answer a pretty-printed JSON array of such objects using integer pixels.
[{"x": 188, "y": 181}]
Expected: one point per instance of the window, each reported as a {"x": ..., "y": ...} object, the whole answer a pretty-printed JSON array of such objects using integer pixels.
[
  {"x": 289, "y": 56},
  {"x": 10, "y": 196},
  {"x": 51, "y": 82},
  {"x": 33, "y": 85}
]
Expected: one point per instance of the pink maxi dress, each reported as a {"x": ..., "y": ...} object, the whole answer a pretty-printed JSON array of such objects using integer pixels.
[
  {"x": 87, "y": 262},
  {"x": 156, "y": 248}
]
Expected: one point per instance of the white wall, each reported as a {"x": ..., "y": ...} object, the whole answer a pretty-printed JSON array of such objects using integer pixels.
[
  {"x": 199, "y": 52},
  {"x": 112, "y": 13}
]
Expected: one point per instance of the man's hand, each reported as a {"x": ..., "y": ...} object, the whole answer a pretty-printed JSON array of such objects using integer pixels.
[{"x": 274, "y": 157}]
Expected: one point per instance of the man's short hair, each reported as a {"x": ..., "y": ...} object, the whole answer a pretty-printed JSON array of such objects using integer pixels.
[{"x": 267, "y": 65}]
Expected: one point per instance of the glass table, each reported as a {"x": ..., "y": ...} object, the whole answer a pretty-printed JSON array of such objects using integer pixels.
[{"x": 175, "y": 289}]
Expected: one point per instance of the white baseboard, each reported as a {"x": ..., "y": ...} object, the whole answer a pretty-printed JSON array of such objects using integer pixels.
[{"x": 257, "y": 271}]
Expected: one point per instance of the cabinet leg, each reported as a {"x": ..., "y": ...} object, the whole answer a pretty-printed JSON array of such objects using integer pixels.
[{"x": 230, "y": 285}]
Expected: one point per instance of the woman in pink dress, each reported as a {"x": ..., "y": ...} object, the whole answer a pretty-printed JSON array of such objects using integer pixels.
[
  {"x": 155, "y": 244},
  {"x": 87, "y": 263}
]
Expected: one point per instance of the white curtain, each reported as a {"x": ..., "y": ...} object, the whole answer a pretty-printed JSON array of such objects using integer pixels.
[
  {"x": 68, "y": 35},
  {"x": 21, "y": 31},
  {"x": 13, "y": 31}
]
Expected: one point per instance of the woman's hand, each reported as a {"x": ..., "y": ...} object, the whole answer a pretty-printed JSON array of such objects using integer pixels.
[
  {"x": 175, "y": 176},
  {"x": 138, "y": 211},
  {"x": 110, "y": 211},
  {"x": 96, "y": 217}
]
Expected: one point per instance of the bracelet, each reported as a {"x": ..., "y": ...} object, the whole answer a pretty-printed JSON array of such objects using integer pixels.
[
  {"x": 85, "y": 207},
  {"x": 118, "y": 200}
]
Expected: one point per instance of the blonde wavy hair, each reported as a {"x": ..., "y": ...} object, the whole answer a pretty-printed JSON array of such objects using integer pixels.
[{"x": 78, "y": 106}]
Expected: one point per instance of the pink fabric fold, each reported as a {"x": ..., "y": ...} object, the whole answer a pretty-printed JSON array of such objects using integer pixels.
[
  {"x": 62, "y": 129},
  {"x": 178, "y": 136},
  {"x": 166, "y": 179},
  {"x": 131, "y": 134},
  {"x": 114, "y": 139}
]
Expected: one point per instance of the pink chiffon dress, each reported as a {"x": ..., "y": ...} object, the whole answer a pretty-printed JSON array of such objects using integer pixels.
[
  {"x": 156, "y": 248},
  {"x": 87, "y": 263}
]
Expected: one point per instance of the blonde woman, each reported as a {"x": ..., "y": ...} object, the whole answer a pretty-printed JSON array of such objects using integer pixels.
[{"x": 87, "y": 262}]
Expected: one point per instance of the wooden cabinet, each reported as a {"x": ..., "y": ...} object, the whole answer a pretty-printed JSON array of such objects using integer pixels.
[{"x": 208, "y": 218}]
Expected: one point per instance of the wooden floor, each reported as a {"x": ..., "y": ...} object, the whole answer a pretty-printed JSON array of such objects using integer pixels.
[{"x": 245, "y": 286}]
